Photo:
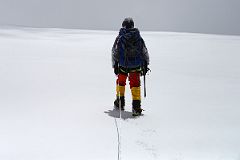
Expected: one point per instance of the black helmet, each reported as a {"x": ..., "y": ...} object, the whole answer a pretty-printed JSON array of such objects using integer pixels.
[{"x": 128, "y": 23}]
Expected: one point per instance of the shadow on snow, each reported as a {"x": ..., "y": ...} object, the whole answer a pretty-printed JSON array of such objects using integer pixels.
[{"x": 124, "y": 114}]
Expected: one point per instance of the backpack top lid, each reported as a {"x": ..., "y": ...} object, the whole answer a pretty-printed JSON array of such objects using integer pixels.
[
  {"x": 128, "y": 23},
  {"x": 127, "y": 34}
]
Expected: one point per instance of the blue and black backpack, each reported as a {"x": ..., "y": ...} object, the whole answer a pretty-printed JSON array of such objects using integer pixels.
[{"x": 130, "y": 48}]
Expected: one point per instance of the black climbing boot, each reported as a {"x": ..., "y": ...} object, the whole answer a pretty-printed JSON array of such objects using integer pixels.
[
  {"x": 136, "y": 108},
  {"x": 119, "y": 102}
]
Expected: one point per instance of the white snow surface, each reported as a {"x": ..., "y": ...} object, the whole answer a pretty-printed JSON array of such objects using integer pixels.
[{"x": 57, "y": 89}]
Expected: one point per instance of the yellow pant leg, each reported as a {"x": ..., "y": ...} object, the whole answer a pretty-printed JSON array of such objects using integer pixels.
[
  {"x": 136, "y": 93},
  {"x": 120, "y": 90}
]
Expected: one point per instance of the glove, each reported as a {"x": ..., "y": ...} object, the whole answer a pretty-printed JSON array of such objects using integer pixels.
[{"x": 116, "y": 69}]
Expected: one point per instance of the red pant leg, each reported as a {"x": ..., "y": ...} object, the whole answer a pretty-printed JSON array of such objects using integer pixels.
[
  {"x": 121, "y": 80},
  {"x": 134, "y": 79}
]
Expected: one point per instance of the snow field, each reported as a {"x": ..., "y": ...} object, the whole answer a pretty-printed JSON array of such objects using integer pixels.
[{"x": 57, "y": 89}]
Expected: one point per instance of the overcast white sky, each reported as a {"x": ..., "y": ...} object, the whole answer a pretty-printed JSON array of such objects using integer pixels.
[{"x": 204, "y": 16}]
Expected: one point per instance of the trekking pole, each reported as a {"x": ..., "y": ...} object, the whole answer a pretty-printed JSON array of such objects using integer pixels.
[
  {"x": 144, "y": 82},
  {"x": 119, "y": 96}
]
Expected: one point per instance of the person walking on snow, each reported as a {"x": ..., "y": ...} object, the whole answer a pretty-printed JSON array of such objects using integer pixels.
[{"x": 130, "y": 59}]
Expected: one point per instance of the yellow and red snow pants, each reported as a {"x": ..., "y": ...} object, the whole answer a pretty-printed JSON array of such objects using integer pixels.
[{"x": 134, "y": 82}]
